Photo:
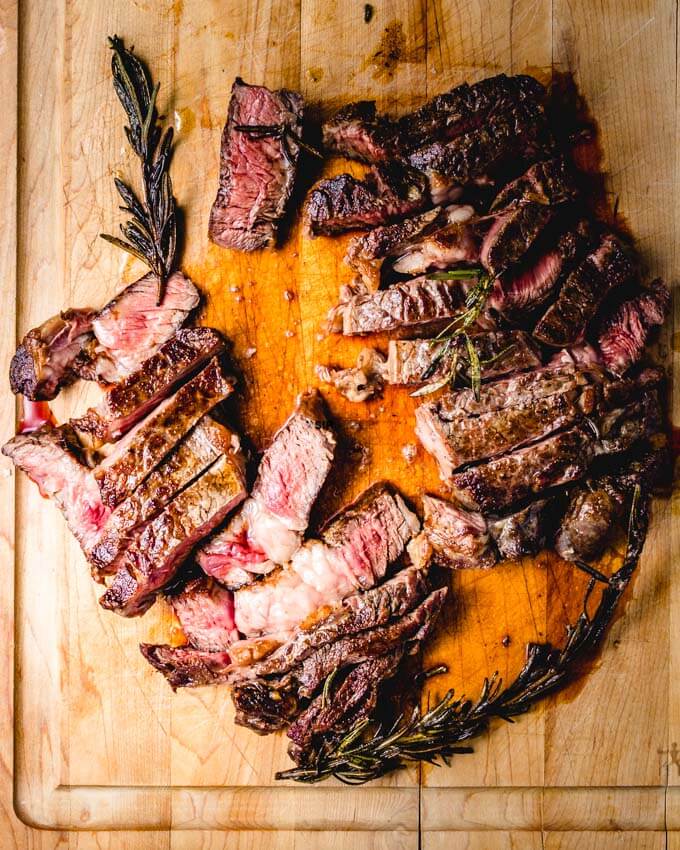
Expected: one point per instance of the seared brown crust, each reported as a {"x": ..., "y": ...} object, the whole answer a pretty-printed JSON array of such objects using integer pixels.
[
  {"x": 524, "y": 532},
  {"x": 513, "y": 234},
  {"x": 460, "y": 539},
  {"x": 358, "y": 132},
  {"x": 549, "y": 182},
  {"x": 185, "y": 666}
]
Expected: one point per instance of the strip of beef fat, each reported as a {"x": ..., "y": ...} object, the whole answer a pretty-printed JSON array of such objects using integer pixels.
[
  {"x": 258, "y": 161},
  {"x": 128, "y": 401},
  {"x": 353, "y": 553},
  {"x": 168, "y": 539},
  {"x": 269, "y": 527},
  {"x": 141, "y": 449}
]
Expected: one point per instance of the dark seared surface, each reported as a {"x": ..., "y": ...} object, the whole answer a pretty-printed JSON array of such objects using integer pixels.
[
  {"x": 524, "y": 532},
  {"x": 358, "y": 132},
  {"x": 186, "y": 667},
  {"x": 512, "y": 235},
  {"x": 551, "y": 181}
]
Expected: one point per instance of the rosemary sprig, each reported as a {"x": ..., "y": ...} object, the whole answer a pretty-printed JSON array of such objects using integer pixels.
[
  {"x": 367, "y": 751},
  {"x": 284, "y": 133},
  {"x": 151, "y": 232}
]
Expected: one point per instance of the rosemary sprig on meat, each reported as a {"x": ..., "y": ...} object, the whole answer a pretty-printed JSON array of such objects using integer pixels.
[
  {"x": 284, "y": 133},
  {"x": 151, "y": 231},
  {"x": 368, "y": 751}
]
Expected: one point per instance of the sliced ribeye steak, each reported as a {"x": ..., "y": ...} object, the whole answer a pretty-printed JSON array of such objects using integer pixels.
[
  {"x": 257, "y": 166},
  {"x": 185, "y": 666},
  {"x": 205, "y": 611},
  {"x": 512, "y": 234},
  {"x": 551, "y": 181},
  {"x": 459, "y": 539},
  {"x": 357, "y": 131}
]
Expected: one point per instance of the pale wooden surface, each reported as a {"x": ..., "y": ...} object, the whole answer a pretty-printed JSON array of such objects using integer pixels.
[{"x": 97, "y": 739}]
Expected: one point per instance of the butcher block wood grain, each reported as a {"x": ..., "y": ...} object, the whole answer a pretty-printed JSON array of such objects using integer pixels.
[{"x": 95, "y": 750}]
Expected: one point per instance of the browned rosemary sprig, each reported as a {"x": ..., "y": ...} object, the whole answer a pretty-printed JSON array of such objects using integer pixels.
[
  {"x": 368, "y": 751},
  {"x": 151, "y": 232}
]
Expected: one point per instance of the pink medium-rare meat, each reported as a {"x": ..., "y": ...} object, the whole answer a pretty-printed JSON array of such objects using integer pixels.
[
  {"x": 169, "y": 538},
  {"x": 141, "y": 449},
  {"x": 269, "y": 527},
  {"x": 202, "y": 446},
  {"x": 257, "y": 169},
  {"x": 353, "y": 553},
  {"x": 128, "y": 401},
  {"x": 357, "y": 131},
  {"x": 205, "y": 611},
  {"x": 49, "y": 457}
]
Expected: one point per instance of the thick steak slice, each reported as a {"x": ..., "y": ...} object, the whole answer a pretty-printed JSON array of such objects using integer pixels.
[
  {"x": 133, "y": 326},
  {"x": 49, "y": 356},
  {"x": 390, "y": 191},
  {"x": 185, "y": 666},
  {"x": 358, "y": 132},
  {"x": 460, "y": 539},
  {"x": 551, "y": 181},
  {"x": 512, "y": 234},
  {"x": 524, "y": 532},
  {"x": 419, "y": 305},
  {"x": 257, "y": 169},
  {"x": 205, "y": 611},
  {"x": 128, "y": 401},
  {"x": 168, "y": 539},
  {"x": 268, "y": 529},
  {"x": 354, "y": 553},
  {"x": 190, "y": 458},
  {"x": 49, "y": 456},
  {"x": 583, "y": 292},
  {"x": 623, "y": 334},
  {"x": 143, "y": 448},
  {"x": 493, "y": 486},
  {"x": 508, "y": 140},
  {"x": 465, "y": 108}
]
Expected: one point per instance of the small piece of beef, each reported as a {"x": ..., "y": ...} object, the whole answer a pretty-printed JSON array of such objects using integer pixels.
[
  {"x": 587, "y": 524},
  {"x": 186, "y": 667},
  {"x": 358, "y": 132},
  {"x": 133, "y": 326},
  {"x": 257, "y": 167},
  {"x": 359, "y": 382},
  {"x": 49, "y": 456},
  {"x": 493, "y": 486},
  {"x": 512, "y": 234},
  {"x": 143, "y": 448},
  {"x": 390, "y": 191},
  {"x": 49, "y": 356},
  {"x": 415, "y": 306},
  {"x": 623, "y": 334},
  {"x": 620, "y": 428},
  {"x": 524, "y": 532},
  {"x": 460, "y": 539},
  {"x": 466, "y": 107},
  {"x": 128, "y": 401},
  {"x": 263, "y": 707},
  {"x": 355, "y": 698},
  {"x": 354, "y": 553},
  {"x": 582, "y": 293},
  {"x": 168, "y": 539},
  {"x": 509, "y": 140},
  {"x": 205, "y": 611},
  {"x": 190, "y": 458},
  {"x": 269, "y": 527},
  {"x": 549, "y": 182}
]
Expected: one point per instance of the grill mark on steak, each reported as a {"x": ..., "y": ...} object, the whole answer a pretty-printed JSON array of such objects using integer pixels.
[
  {"x": 185, "y": 666},
  {"x": 142, "y": 448},
  {"x": 582, "y": 293},
  {"x": 358, "y": 132},
  {"x": 168, "y": 539},
  {"x": 128, "y": 401},
  {"x": 192, "y": 456},
  {"x": 389, "y": 191},
  {"x": 460, "y": 539},
  {"x": 257, "y": 172},
  {"x": 205, "y": 611},
  {"x": 269, "y": 527},
  {"x": 551, "y": 181}
]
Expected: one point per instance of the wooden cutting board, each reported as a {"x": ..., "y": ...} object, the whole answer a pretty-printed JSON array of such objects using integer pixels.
[{"x": 92, "y": 739}]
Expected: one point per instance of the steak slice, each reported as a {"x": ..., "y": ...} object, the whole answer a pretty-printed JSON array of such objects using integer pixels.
[
  {"x": 128, "y": 401},
  {"x": 168, "y": 539},
  {"x": 419, "y": 305},
  {"x": 524, "y": 532},
  {"x": 465, "y": 108},
  {"x": 622, "y": 336},
  {"x": 460, "y": 539},
  {"x": 185, "y": 666},
  {"x": 49, "y": 456},
  {"x": 621, "y": 427},
  {"x": 497, "y": 484},
  {"x": 582, "y": 293},
  {"x": 512, "y": 234},
  {"x": 257, "y": 167},
  {"x": 205, "y": 611},
  {"x": 269, "y": 527},
  {"x": 551, "y": 181},
  {"x": 354, "y": 553},
  {"x": 508, "y": 140},
  {"x": 456, "y": 243},
  {"x": 50, "y": 356},
  {"x": 390, "y": 191},
  {"x": 358, "y": 132},
  {"x": 202, "y": 446},
  {"x": 142, "y": 448}
]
